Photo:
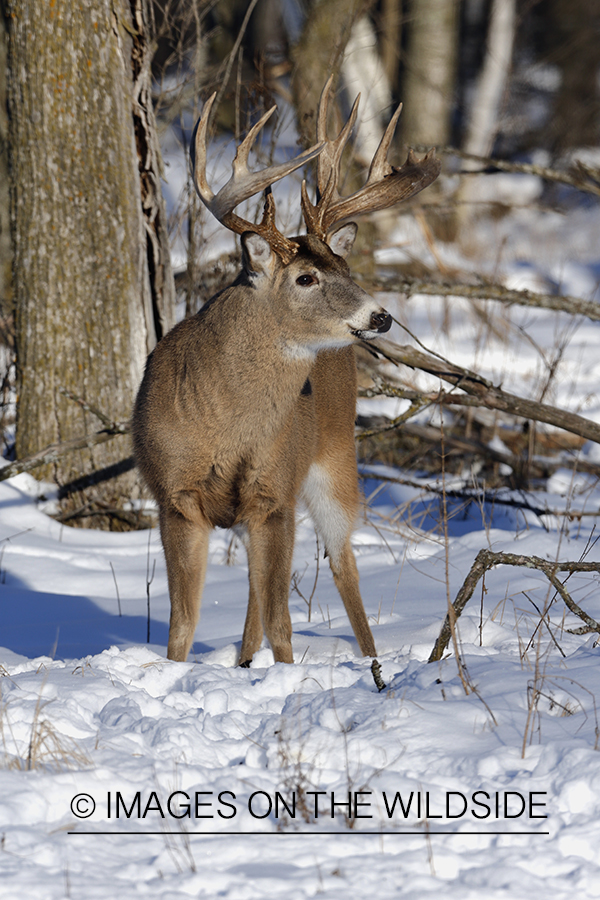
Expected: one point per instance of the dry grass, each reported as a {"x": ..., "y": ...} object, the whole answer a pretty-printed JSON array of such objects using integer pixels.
[{"x": 46, "y": 748}]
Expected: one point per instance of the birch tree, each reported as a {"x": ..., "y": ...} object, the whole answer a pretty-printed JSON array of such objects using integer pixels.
[
  {"x": 429, "y": 80},
  {"x": 5, "y": 247},
  {"x": 484, "y": 116}
]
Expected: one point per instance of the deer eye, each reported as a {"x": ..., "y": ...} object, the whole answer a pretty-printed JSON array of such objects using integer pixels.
[{"x": 305, "y": 280}]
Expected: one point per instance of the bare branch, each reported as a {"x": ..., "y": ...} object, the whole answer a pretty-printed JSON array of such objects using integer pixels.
[
  {"x": 575, "y": 306},
  {"x": 472, "y": 495},
  {"x": 487, "y": 559},
  {"x": 488, "y": 394},
  {"x": 106, "y": 420},
  {"x": 54, "y": 452},
  {"x": 582, "y": 177},
  {"x": 422, "y": 399}
]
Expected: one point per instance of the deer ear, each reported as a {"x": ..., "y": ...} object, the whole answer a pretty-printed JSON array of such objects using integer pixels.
[
  {"x": 257, "y": 255},
  {"x": 341, "y": 241}
]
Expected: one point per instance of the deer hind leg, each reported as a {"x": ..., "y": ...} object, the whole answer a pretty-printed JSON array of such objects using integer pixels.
[
  {"x": 184, "y": 534},
  {"x": 332, "y": 500},
  {"x": 270, "y": 549}
]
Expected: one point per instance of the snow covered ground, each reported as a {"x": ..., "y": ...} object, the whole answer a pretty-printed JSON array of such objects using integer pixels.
[{"x": 125, "y": 775}]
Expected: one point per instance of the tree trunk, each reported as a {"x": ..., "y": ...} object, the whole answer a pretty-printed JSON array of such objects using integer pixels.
[
  {"x": 318, "y": 53},
  {"x": 390, "y": 32},
  {"x": 92, "y": 277},
  {"x": 5, "y": 242},
  {"x": 363, "y": 73},
  {"x": 575, "y": 117},
  {"x": 484, "y": 117},
  {"x": 429, "y": 79}
]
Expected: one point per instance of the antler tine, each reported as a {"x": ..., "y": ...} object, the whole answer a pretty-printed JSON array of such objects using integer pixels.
[
  {"x": 380, "y": 167},
  {"x": 328, "y": 165},
  {"x": 198, "y": 153},
  {"x": 322, "y": 110},
  {"x": 244, "y": 184},
  {"x": 240, "y": 162}
]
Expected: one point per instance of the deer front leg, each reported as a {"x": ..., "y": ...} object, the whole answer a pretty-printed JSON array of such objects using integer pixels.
[
  {"x": 185, "y": 544},
  {"x": 253, "y": 630},
  {"x": 270, "y": 550}
]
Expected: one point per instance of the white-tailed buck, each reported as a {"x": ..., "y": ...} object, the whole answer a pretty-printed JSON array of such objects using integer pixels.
[{"x": 249, "y": 406}]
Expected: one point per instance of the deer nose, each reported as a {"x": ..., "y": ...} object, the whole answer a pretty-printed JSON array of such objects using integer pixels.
[{"x": 380, "y": 322}]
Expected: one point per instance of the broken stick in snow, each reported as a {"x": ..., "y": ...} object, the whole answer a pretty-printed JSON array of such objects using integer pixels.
[{"x": 487, "y": 559}]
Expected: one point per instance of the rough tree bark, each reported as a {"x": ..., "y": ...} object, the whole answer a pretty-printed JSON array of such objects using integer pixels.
[
  {"x": 5, "y": 242},
  {"x": 93, "y": 283}
]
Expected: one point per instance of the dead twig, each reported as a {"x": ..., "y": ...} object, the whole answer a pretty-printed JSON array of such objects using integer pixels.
[
  {"x": 416, "y": 405},
  {"x": 487, "y": 559},
  {"x": 133, "y": 519},
  {"x": 106, "y": 421},
  {"x": 471, "y": 495},
  {"x": 54, "y": 451}
]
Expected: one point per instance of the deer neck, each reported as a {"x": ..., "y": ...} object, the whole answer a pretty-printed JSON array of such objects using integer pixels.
[{"x": 261, "y": 383}]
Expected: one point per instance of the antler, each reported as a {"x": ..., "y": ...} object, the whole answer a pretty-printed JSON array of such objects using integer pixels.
[
  {"x": 244, "y": 184},
  {"x": 385, "y": 186}
]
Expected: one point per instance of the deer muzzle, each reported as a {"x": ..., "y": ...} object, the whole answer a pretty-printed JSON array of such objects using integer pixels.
[{"x": 379, "y": 323}]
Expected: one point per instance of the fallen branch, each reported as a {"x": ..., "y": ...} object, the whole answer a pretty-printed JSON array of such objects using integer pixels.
[
  {"x": 429, "y": 434},
  {"x": 133, "y": 519},
  {"x": 420, "y": 400},
  {"x": 487, "y": 559},
  {"x": 473, "y": 495},
  {"x": 488, "y": 394},
  {"x": 54, "y": 451},
  {"x": 575, "y": 306},
  {"x": 581, "y": 176}
]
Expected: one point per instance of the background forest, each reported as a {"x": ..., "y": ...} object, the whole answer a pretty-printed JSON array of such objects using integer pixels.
[{"x": 95, "y": 266}]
